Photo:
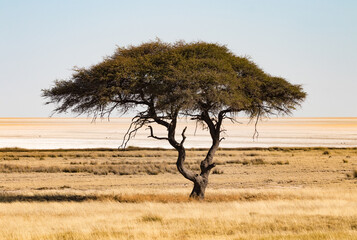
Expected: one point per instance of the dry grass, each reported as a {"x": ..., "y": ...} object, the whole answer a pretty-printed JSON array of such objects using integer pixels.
[
  {"x": 274, "y": 193},
  {"x": 269, "y": 219},
  {"x": 150, "y": 197}
]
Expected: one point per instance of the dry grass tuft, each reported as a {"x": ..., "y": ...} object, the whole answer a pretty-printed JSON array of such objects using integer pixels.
[
  {"x": 151, "y": 218},
  {"x": 217, "y": 171}
]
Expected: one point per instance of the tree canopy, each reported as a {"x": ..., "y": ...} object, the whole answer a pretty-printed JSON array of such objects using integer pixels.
[
  {"x": 179, "y": 77},
  {"x": 163, "y": 81}
]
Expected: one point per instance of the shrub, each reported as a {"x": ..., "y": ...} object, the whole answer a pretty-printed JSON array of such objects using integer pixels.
[
  {"x": 234, "y": 162},
  {"x": 245, "y": 162},
  {"x": 217, "y": 171},
  {"x": 257, "y": 161},
  {"x": 252, "y": 154},
  {"x": 280, "y": 163}
]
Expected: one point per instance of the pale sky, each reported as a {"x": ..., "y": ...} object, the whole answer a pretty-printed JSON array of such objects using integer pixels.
[{"x": 308, "y": 42}]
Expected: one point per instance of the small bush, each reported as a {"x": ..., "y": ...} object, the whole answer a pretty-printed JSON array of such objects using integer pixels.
[
  {"x": 234, "y": 162},
  {"x": 217, "y": 171},
  {"x": 257, "y": 161},
  {"x": 326, "y": 153},
  {"x": 355, "y": 173},
  {"x": 252, "y": 154},
  {"x": 153, "y": 155},
  {"x": 10, "y": 158},
  {"x": 245, "y": 162},
  {"x": 280, "y": 163},
  {"x": 100, "y": 172},
  {"x": 345, "y": 161}
]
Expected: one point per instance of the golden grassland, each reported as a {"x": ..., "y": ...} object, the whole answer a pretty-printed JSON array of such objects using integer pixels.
[{"x": 272, "y": 193}]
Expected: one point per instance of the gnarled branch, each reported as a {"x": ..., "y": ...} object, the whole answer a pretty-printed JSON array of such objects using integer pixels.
[
  {"x": 153, "y": 136},
  {"x": 183, "y": 136}
]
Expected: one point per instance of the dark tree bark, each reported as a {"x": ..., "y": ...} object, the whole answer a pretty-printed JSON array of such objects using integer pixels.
[{"x": 200, "y": 181}]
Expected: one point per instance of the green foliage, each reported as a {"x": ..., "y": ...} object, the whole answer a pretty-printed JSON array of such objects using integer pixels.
[{"x": 172, "y": 79}]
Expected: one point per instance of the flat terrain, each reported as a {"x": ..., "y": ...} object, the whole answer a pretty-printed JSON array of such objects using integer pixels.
[
  {"x": 54, "y": 133},
  {"x": 272, "y": 193}
]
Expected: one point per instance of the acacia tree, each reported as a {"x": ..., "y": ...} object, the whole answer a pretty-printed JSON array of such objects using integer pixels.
[{"x": 163, "y": 82}]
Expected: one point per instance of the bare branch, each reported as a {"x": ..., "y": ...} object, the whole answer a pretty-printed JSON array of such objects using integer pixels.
[
  {"x": 137, "y": 122},
  {"x": 223, "y": 130},
  {"x": 153, "y": 136},
  {"x": 109, "y": 112},
  {"x": 183, "y": 136},
  {"x": 196, "y": 128},
  {"x": 233, "y": 120}
]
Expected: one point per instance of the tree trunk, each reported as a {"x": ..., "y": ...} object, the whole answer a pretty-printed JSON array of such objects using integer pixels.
[
  {"x": 200, "y": 181},
  {"x": 199, "y": 188}
]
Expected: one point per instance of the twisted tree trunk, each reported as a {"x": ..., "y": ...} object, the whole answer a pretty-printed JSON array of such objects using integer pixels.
[{"x": 200, "y": 181}]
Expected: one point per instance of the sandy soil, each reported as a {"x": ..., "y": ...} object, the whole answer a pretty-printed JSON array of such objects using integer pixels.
[{"x": 52, "y": 133}]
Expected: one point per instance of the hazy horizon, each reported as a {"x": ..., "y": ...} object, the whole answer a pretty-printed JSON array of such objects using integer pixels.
[{"x": 54, "y": 133}]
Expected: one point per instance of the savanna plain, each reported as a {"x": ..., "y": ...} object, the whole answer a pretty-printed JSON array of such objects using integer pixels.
[{"x": 254, "y": 193}]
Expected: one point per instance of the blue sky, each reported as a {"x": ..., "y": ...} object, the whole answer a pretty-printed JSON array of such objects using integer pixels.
[{"x": 308, "y": 42}]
